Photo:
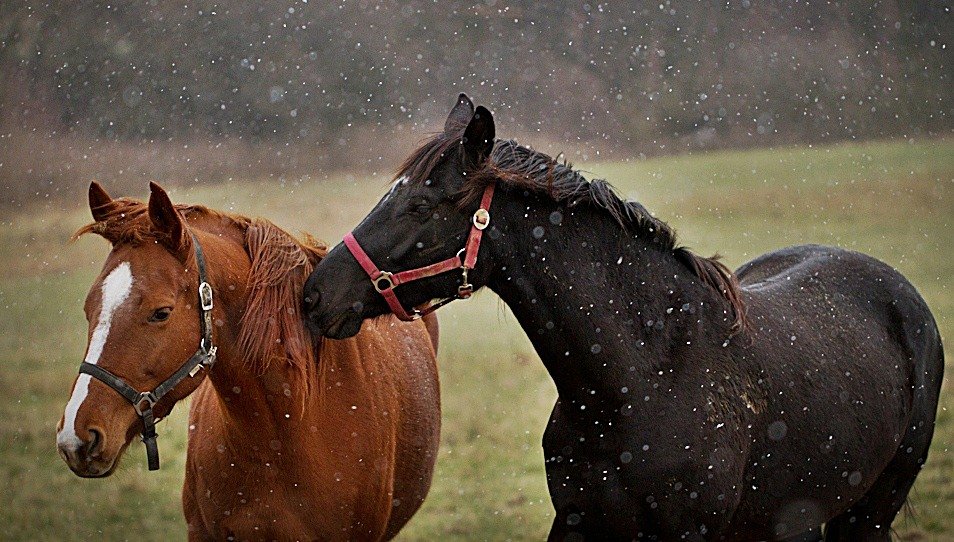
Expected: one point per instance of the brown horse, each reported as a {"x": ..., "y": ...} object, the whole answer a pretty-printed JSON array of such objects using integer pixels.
[{"x": 290, "y": 436}]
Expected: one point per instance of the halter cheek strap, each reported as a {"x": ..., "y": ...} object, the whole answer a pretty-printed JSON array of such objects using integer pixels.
[
  {"x": 385, "y": 282},
  {"x": 144, "y": 401}
]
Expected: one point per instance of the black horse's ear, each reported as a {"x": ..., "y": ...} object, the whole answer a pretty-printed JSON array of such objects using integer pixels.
[
  {"x": 99, "y": 201},
  {"x": 166, "y": 220},
  {"x": 460, "y": 115},
  {"x": 479, "y": 137}
]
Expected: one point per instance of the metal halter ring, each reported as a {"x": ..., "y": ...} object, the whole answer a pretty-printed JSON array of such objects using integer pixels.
[
  {"x": 384, "y": 276},
  {"x": 145, "y": 397}
]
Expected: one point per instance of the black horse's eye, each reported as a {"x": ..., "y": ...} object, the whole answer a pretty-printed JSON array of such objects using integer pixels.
[
  {"x": 422, "y": 209},
  {"x": 161, "y": 314}
]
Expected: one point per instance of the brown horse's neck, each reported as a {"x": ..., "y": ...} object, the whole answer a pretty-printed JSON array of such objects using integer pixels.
[
  {"x": 272, "y": 402},
  {"x": 269, "y": 396}
]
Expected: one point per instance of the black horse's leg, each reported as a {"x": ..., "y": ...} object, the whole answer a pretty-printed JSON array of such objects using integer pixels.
[
  {"x": 813, "y": 535},
  {"x": 558, "y": 531},
  {"x": 589, "y": 499},
  {"x": 871, "y": 517}
]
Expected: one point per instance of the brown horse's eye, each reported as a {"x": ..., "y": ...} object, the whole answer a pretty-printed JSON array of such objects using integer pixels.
[{"x": 160, "y": 315}]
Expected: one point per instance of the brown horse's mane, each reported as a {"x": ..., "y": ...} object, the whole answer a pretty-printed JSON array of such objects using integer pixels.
[
  {"x": 280, "y": 266},
  {"x": 280, "y": 263},
  {"x": 522, "y": 167}
]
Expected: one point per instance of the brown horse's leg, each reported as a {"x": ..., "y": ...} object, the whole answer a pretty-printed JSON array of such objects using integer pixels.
[
  {"x": 430, "y": 322},
  {"x": 195, "y": 526},
  {"x": 198, "y": 536}
]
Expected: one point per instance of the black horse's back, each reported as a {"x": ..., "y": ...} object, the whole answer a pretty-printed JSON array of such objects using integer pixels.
[
  {"x": 873, "y": 286},
  {"x": 771, "y": 264},
  {"x": 818, "y": 313}
]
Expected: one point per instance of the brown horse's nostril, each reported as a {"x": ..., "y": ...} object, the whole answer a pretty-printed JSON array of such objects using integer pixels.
[{"x": 94, "y": 444}]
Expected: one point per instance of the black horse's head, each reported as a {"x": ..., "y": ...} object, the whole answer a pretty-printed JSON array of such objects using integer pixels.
[{"x": 423, "y": 219}]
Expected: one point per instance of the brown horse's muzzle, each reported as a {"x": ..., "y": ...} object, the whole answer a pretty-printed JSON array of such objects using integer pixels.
[
  {"x": 86, "y": 457},
  {"x": 102, "y": 429}
]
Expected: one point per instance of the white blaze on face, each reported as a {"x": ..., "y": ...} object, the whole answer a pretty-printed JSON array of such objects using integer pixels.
[
  {"x": 400, "y": 181},
  {"x": 115, "y": 290}
]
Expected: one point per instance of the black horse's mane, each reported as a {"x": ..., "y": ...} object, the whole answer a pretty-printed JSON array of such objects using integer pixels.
[
  {"x": 532, "y": 170},
  {"x": 522, "y": 167}
]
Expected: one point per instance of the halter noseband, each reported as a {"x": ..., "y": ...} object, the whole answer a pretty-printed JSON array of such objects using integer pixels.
[
  {"x": 144, "y": 401},
  {"x": 385, "y": 282}
]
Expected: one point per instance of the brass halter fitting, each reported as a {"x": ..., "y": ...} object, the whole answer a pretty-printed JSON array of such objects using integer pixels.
[
  {"x": 481, "y": 218},
  {"x": 387, "y": 279}
]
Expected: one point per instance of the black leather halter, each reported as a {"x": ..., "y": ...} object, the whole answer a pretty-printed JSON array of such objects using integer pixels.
[{"x": 144, "y": 401}]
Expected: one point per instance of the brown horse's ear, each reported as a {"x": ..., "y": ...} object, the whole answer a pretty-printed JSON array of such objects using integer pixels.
[
  {"x": 99, "y": 201},
  {"x": 479, "y": 137},
  {"x": 460, "y": 115},
  {"x": 166, "y": 220}
]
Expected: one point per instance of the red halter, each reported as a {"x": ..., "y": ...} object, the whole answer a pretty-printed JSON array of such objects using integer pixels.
[{"x": 385, "y": 282}]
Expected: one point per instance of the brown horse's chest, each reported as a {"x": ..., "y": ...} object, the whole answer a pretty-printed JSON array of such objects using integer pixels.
[{"x": 299, "y": 481}]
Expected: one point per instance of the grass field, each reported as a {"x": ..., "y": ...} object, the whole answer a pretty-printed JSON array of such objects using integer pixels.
[{"x": 892, "y": 200}]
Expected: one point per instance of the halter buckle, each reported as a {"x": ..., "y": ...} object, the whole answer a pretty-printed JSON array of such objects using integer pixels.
[
  {"x": 384, "y": 276},
  {"x": 205, "y": 296},
  {"x": 145, "y": 397},
  {"x": 208, "y": 362},
  {"x": 481, "y": 218},
  {"x": 465, "y": 290}
]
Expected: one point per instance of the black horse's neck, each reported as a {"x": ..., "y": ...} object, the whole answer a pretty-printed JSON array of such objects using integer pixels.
[{"x": 604, "y": 307}]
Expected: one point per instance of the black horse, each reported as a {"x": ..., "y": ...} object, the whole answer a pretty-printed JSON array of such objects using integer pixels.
[{"x": 694, "y": 403}]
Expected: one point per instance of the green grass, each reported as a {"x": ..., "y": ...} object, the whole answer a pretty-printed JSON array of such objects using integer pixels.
[{"x": 892, "y": 200}]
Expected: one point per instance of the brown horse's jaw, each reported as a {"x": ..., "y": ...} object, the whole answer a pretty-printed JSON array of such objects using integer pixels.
[
  {"x": 94, "y": 468},
  {"x": 105, "y": 474}
]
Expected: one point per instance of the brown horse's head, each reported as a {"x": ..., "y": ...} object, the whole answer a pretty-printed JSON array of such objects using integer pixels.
[{"x": 143, "y": 324}]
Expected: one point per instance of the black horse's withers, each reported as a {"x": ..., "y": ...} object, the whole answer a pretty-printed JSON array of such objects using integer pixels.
[{"x": 694, "y": 403}]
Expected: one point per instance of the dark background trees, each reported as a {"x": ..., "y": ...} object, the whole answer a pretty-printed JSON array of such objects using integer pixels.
[{"x": 623, "y": 78}]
